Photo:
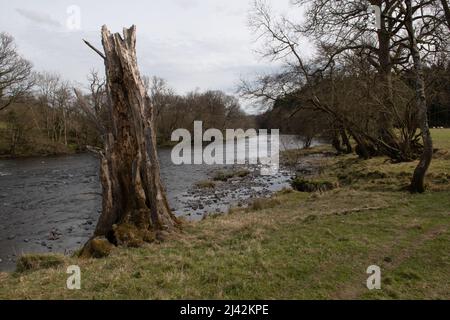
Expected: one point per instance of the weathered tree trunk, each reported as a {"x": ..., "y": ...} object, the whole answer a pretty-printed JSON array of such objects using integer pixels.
[
  {"x": 135, "y": 209},
  {"x": 417, "y": 182}
]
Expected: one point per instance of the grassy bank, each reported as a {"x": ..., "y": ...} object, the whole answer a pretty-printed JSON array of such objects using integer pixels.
[{"x": 296, "y": 246}]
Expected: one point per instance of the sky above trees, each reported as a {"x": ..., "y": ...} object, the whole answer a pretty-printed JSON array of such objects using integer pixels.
[{"x": 203, "y": 44}]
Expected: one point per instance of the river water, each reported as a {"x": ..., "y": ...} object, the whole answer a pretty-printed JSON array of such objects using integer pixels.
[{"x": 52, "y": 204}]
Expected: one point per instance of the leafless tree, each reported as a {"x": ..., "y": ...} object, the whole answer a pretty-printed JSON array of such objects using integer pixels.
[
  {"x": 56, "y": 98},
  {"x": 160, "y": 93},
  {"x": 417, "y": 182},
  {"x": 15, "y": 72},
  {"x": 343, "y": 36}
]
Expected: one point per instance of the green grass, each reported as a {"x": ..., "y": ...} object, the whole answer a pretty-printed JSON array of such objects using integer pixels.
[
  {"x": 441, "y": 138},
  {"x": 264, "y": 203},
  {"x": 34, "y": 261},
  {"x": 295, "y": 246},
  {"x": 226, "y": 175}
]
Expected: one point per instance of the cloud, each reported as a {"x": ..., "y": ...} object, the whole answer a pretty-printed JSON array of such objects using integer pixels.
[
  {"x": 191, "y": 43},
  {"x": 39, "y": 17}
]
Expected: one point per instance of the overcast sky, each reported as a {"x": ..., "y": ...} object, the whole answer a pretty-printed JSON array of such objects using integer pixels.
[{"x": 203, "y": 44}]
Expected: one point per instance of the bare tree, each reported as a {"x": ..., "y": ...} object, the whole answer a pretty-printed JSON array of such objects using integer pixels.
[
  {"x": 341, "y": 30},
  {"x": 97, "y": 88},
  {"x": 15, "y": 72},
  {"x": 56, "y": 98},
  {"x": 159, "y": 93}
]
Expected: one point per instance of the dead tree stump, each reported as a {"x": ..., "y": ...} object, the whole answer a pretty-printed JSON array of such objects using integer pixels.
[{"x": 135, "y": 209}]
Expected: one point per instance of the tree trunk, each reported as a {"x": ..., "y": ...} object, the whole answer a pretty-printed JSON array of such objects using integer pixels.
[
  {"x": 135, "y": 208},
  {"x": 386, "y": 133},
  {"x": 336, "y": 142},
  {"x": 417, "y": 182},
  {"x": 346, "y": 140},
  {"x": 446, "y": 8},
  {"x": 65, "y": 127}
]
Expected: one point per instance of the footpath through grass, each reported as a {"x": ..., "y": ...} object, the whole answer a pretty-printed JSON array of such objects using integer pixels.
[{"x": 296, "y": 246}]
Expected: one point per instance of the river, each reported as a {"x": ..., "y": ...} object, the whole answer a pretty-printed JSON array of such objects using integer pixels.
[{"x": 52, "y": 204}]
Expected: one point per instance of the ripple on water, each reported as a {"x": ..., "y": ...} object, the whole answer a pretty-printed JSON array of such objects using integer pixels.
[{"x": 64, "y": 193}]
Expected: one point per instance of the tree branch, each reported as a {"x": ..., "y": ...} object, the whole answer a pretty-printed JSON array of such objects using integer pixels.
[{"x": 95, "y": 49}]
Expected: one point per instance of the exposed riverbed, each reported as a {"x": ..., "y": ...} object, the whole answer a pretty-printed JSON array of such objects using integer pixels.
[{"x": 52, "y": 204}]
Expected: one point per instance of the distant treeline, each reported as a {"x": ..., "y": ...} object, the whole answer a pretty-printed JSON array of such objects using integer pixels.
[
  {"x": 287, "y": 115},
  {"x": 42, "y": 114},
  {"x": 51, "y": 121}
]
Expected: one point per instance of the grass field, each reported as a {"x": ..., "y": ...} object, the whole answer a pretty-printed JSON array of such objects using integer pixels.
[{"x": 296, "y": 246}]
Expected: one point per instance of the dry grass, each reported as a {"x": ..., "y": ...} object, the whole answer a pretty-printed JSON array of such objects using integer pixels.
[
  {"x": 264, "y": 203},
  {"x": 33, "y": 262},
  {"x": 295, "y": 246}
]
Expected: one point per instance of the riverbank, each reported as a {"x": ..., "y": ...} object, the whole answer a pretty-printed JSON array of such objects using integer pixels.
[
  {"x": 293, "y": 246},
  {"x": 62, "y": 151},
  {"x": 63, "y": 196}
]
